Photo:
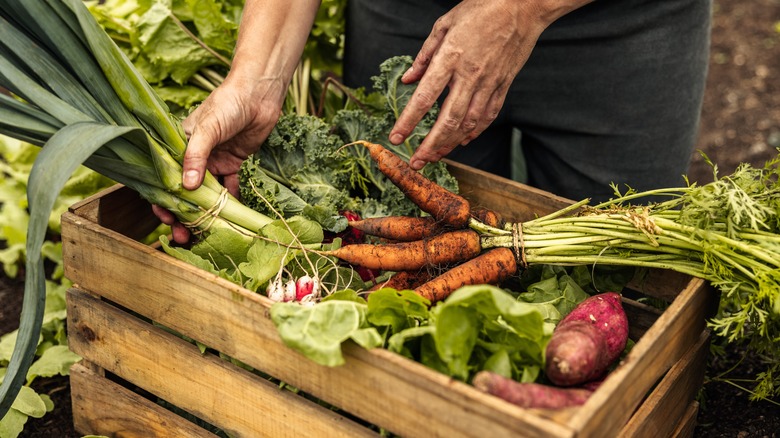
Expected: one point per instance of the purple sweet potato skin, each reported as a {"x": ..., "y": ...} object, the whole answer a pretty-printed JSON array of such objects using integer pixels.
[
  {"x": 529, "y": 395},
  {"x": 576, "y": 354},
  {"x": 606, "y": 313},
  {"x": 587, "y": 340}
]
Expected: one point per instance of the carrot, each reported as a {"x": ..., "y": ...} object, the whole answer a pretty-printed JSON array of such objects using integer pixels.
[
  {"x": 447, "y": 207},
  {"x": 399, "y": 228},
  {"x": 529, "y": 395},
  {"x": 488, "y": 217},
  {"x": 491, "y": 267},
  {"x": 404, "y": 280},
  {"x": 440, "y": 250}
]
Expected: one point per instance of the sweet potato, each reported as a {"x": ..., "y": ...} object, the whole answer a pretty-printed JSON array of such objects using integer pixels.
[
  {"x": 529, "y": 395},
  {"x": 587, "y": 341}
]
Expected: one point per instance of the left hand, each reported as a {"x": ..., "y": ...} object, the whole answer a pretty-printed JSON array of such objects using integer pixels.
[{"x": 476, "y": 49}]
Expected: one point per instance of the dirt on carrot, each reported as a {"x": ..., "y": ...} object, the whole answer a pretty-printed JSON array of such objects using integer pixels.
[
  {"x": 490, "y": 267},
  {"x": 447, "y": 207},
  {"x": 398, "y": 228},
  {"x": 438, "y": 251}
]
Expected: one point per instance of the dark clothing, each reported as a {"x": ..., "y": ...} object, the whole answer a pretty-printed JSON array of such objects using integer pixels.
[{"x": 612, "y": 92}]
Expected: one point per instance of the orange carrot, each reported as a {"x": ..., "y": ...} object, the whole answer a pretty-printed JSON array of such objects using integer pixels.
[
  {"x": 487, "y": 217},
  {"x": 529, "y": 395},
  {"x": 491, "y": 267},
  {"x": 445, "y": 206},
  {"x": 440, "y": 250},
  {"x": 399, "y": 228},
  {"x": 404, "y": 280}
]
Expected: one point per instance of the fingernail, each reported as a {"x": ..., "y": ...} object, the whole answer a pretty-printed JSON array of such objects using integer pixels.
[
  {"x": 407, "y": 73},
  {"x": 191, "y": 178},
  {"x": 396, "y": 138},
  {"x": 417, "y": 164}
]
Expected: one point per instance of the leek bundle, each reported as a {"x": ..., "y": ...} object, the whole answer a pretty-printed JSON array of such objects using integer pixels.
[{"x": 73, "y": 92}]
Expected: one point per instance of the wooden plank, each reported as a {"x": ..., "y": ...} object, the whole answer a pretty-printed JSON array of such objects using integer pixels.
[
  {"x": 659, "y": 283},
  {"x": 234, "y": 321},
  {"x": 102, "y": 407},
  {"x": 675, "y": 332},
  {"x": 662, "y": 412},
  {"x": 640, "y": 316},
  {"x": 120, "y": 209},
  {"x": 687, "y": 425},
  {"x": 515, "y": 201},
  {"x": 208, "y": 387}
]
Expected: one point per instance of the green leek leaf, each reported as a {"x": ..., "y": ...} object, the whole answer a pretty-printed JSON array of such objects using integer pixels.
[{"x": 62, "y": 155}]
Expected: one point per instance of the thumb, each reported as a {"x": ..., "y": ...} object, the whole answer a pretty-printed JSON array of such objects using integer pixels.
[{"x": 195, "y": 158}]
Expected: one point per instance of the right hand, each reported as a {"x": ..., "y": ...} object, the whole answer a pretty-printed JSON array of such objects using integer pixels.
[
  {"x": 228, "y": 126},
  {"x": 223, "y": 131}
]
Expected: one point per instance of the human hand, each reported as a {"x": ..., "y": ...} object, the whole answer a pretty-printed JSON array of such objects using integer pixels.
[
  {"x": 476, "y": 50},
  {"x": 223, "y": 131}
]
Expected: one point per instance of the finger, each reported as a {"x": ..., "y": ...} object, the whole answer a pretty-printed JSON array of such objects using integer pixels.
[
  {"x": 492, "y": 110},
  {"x": 459, "y": 114},
  {"x": 196, "y": 157},
  {"x": 429, "y": 48},
  {"x": 424, "y": 97},
  {"x": 231, "y": 184},
  {"x": 163, "y": 214},
  {"x": 189, "y": 122},
  {"x": 180, "y": 233}
]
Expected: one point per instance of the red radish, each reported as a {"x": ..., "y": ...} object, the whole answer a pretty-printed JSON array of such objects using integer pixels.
[
  {"x": 307, "y": 286},
  {"x": 351, "y": 234}
]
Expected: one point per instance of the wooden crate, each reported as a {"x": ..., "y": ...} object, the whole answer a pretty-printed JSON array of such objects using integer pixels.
[{"x": 129, "y": 299}]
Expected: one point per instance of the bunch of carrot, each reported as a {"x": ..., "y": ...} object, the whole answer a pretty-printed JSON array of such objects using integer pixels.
[{"x": 433, "y": 255}]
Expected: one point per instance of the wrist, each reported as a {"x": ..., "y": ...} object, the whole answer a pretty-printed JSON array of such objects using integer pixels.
[{"x": 550, "y": 10}]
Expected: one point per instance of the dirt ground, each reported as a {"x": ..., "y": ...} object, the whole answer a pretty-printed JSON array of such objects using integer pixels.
[{"x": 740, "y": 123}]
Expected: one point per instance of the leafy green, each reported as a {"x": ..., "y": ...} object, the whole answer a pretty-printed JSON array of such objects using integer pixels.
[
  {"x": 304, "y": 168},
  {"x": 318, "y": 331},
  {"x": 477, "y": 327}
]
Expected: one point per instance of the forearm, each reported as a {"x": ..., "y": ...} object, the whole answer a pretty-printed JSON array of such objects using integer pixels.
[
  {"x": 551, "y": 10},
  {"x": 271, "y": 39}
]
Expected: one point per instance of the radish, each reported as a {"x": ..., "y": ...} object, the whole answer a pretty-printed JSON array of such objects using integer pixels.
[{"x": 307, "y": 289}]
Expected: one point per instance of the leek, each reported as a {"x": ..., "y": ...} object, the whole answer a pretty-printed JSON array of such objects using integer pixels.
[{"x": 76, "y": 94}]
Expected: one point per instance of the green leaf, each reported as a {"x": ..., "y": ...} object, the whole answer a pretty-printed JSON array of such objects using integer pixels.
[
  {"x": 65, "y": 152},
  {"x": 12, "y": 425},
  {"x": 397, "y": 309},
  {"x": 223, "y": 247},
  {"x": 29, "y": 403},
  {"x": 168, "y": 47},
  {"x": 56, "y": 360},
  {"x": 318, "y": 331},
  {"x": 264, "y": 260},
  {"x": 457, "y": 329},
  {"x": 499, "y": 363}
]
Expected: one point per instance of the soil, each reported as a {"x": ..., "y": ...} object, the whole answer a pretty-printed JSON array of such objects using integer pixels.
[{"x": 740, "y": 124}]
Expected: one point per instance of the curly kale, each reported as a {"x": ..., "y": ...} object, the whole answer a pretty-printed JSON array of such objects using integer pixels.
[{"x": 304, "y": 167}]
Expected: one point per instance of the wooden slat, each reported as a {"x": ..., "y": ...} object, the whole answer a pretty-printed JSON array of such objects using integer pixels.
[
  {"x": 687, "y": 425},
  {"x": 641, "y": 317},
  {"x": 515, "y": 201},
  {"x": 661, "y": 413},
  {"x": 235, "y": 321},
  {"x": 120, "y": 209},
  {"x": 675, "y": 332},
  {"x": 102, "y": 407},
  {"x": 208, "y": 387}
]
